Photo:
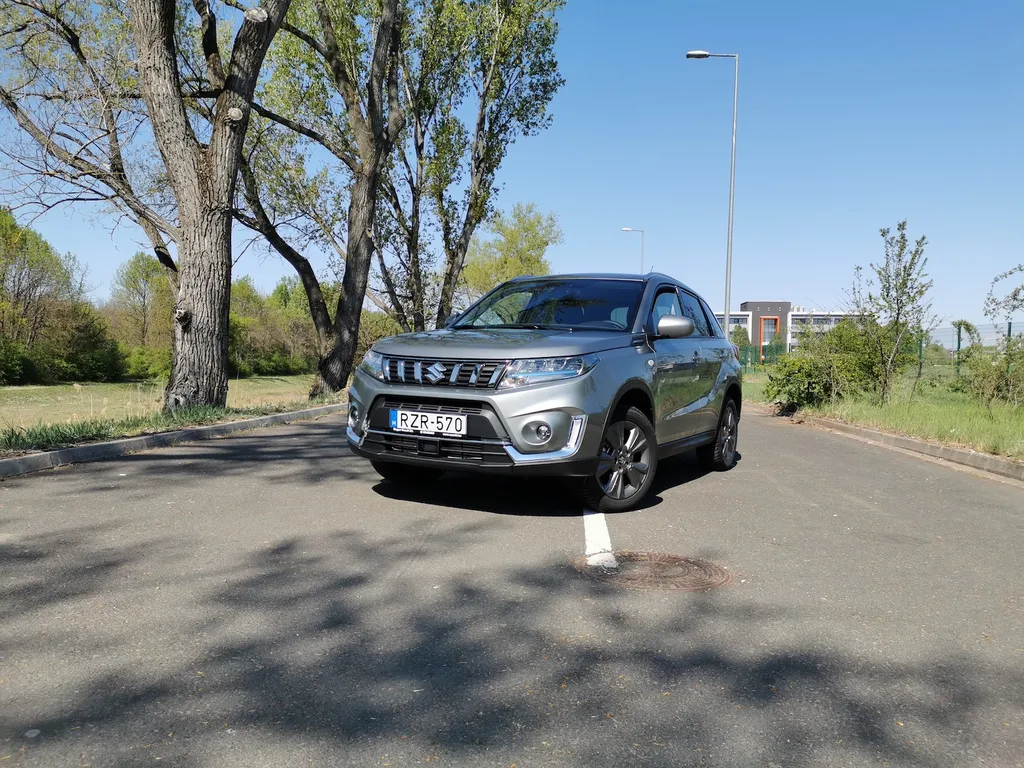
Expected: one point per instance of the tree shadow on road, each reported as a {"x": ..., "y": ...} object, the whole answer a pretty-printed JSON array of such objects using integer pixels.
[{"x": 325, "y": 651}]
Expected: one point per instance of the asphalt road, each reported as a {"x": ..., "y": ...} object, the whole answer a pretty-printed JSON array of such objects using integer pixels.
[{"x": 265, "y": 601}]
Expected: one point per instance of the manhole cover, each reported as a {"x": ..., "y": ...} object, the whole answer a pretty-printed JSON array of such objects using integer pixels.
[{"x": 657, "y": 570}]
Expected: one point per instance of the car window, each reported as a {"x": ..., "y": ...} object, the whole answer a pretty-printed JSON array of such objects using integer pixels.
[
  {"x": 584, "y": 303},
  {"x": 716, "y": 328},
  {"x": 692, "y": 310},
  {"x": 665, "y": 303}
]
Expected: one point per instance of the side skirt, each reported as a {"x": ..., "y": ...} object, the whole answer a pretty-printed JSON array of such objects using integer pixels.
[{"x": 687, "y": 443}]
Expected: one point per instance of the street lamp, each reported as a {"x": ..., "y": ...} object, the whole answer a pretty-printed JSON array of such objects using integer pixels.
[
  {"x": 630, "y": 229},
  {"x": 732, "y": 171}
]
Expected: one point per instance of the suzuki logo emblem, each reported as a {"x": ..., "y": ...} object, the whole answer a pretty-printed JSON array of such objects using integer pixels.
[{"x": 435, "y": 373}]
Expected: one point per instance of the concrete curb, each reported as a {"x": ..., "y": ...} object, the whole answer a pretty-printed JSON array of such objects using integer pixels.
[
  {"x": 964, "y": 456},
  {"x": 35, "y": 462}
]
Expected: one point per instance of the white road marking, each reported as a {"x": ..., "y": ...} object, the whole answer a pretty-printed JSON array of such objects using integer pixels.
[{"x": 599, "y": 543}]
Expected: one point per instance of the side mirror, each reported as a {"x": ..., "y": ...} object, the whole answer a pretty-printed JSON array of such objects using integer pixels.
[{"x": 675, "y": 327}]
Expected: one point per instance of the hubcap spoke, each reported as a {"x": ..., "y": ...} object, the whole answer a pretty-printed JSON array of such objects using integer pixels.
[
  {"x": 615, "y": 491},
  {"x": 618, "y": 436},
  {"x": 624, "y": 464}
]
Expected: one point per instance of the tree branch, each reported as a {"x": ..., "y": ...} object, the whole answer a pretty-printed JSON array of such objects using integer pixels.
[
  {"x": 304, "y": 130},
  {"x": 211, "y": 48}
]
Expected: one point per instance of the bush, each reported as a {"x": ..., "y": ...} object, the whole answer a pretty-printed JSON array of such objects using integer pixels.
[
  {"x": 147, "y": 363},
  {"x": 796, "y": 382},
  {"x": 824, "y": 367},
  {"x": 991, "y": 373}
]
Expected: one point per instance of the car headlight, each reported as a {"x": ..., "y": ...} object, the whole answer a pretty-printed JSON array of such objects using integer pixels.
[
  {"x": 373, "y": 364},
  {"x": 521, "y": 373}
]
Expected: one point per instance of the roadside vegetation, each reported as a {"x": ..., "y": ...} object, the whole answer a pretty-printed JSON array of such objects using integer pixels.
[
  {"x": 35, "y": 418},
  {"x": 879, "y": 368},
  {"x": 48, "y": 437}
]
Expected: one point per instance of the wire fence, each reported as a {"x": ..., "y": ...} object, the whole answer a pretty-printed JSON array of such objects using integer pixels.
[
  {"x": 941, "y": 356},
  {"x": 955, "y": 339}
]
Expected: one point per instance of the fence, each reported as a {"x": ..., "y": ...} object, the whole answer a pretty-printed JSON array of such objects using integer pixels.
[
  {"x": 954, "y": 340},
  {"x": 941, "y": 356}
]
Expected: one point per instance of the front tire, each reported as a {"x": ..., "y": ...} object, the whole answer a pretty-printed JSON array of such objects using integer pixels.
[
  {"x": 626, "y": 465},
  {"x": 406, "y": 474},
  {"x": 720, "y": 455}
]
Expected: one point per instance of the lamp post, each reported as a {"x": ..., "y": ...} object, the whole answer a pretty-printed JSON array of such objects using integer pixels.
[
  {"x": 631, "y": 229},
  {"x": 732, "y": 171}
]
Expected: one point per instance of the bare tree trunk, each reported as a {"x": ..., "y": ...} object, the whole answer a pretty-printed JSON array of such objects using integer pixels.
[
  {"x": 198, "y": 371},
  {"x": 336, "y": 368}
]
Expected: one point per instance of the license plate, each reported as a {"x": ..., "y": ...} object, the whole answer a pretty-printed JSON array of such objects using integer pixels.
[{"x": 428, "y": 423}]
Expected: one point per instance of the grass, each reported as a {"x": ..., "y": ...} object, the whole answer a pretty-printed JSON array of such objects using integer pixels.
[
  {"x": 939, "y": 415},
  {"x": 934, "y": 413},
  {"x": 753, "y": 386},
  {"x": 31, "y": 406},
  {"x": 46, "y": 418}
]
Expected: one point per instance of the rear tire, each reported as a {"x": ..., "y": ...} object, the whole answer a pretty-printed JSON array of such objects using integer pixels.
[
  {"x": 406, "y": 474},
  {"x": 720, "y": 456},
  {"x": 627, "y": 464}
]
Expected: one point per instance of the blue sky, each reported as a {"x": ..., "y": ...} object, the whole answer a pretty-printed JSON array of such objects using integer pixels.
[{"x": 851, "y": 117}]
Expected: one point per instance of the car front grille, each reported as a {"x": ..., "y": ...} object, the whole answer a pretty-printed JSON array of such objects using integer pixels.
[
  {"x": 469, "y": 450},
  {"x": 479, "y": 374}
]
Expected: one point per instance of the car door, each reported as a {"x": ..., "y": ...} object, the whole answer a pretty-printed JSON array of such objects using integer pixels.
[
  {"x": 676, "y": 374},
  {"x": 713, "y": 353}
]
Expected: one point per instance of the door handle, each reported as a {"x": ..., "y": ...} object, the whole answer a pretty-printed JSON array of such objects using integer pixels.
[{"x": 696, "y": 357}]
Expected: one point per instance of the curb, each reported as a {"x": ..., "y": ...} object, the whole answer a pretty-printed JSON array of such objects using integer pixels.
[
  {"x": 964, "y": 456},
  {"x": 35, "y": 462}
]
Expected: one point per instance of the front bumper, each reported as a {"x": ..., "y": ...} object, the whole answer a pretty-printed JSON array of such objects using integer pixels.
[{"x": 499, "y": 429}]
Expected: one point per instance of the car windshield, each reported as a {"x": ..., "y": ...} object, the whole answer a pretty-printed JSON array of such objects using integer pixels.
[{"x": 583, "y": 303}]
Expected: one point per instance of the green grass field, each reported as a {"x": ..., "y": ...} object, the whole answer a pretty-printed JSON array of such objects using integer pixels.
[
  {"x": 934, "y": 413},
  {"x": 31, "y": 406}
]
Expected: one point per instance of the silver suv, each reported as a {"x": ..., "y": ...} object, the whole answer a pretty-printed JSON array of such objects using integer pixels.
[{"x": 590, "y": 377}]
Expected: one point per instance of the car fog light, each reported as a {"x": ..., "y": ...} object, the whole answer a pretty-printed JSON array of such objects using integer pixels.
[
  {"x": 544, "y": 432},
  {"x": 353, "y": 417}
]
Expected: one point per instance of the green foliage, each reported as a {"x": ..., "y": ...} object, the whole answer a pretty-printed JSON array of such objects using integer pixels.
[
  {"x": 990, "y": 373},
  {"x": 48, "y": 437},
  {"x": 824, "y": 367},
  {"x": 144, "y": 363},
  {"x": 373, "y": 327},
  {"x": 48, "y": 332},
  {"x": 1005, "y": 307},
  {"x": 259, "y": 332},
  {"x": 891, "y": 306},
  {"x": 740, "y": 337},
  {"x": 141, "y": 297},
  {"x": 517, "y": 248},
  {"x": 797, "y": 381}
]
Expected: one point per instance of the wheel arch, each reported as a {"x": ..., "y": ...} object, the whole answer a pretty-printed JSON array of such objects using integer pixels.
[{"x": 634, "y": 394}]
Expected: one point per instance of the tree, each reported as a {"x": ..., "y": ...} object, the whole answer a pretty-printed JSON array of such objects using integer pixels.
[
  {"x": 48, "y": 331},
  {"x": 740, "y": 337},
  {"x": 134, "y": 291},
  {"x": 1005, "y": 307},
  {"x": 70, "y": 86},
  {"x": 83, "y": 52},
  {"x": 335, "y": 83},
  {"x": 513, "y": 71},
  {"x": 517, "y": 248},
  {"x": 202, "y": 175},
  {"x": 891, "y": 306},
  {"x": 33, "y": 277}
]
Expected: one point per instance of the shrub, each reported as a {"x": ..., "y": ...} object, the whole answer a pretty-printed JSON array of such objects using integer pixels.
[{"x": 797, "y": 381}]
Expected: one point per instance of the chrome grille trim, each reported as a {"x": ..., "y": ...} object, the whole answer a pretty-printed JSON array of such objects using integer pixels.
[{"x": 474, "y": 374}]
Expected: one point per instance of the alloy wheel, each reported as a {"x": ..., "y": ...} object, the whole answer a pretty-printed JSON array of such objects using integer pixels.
[
  {"x": 729, "y": 436},
  {"x": 625, "y": 460}
]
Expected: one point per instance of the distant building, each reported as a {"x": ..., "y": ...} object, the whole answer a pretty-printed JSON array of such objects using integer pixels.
[{"x": 766, "y": 320}]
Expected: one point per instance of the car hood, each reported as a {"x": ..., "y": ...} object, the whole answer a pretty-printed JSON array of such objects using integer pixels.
[{"x": 500, "y": 343}]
